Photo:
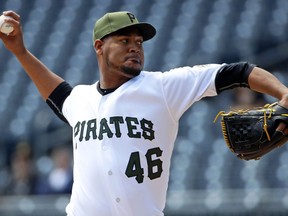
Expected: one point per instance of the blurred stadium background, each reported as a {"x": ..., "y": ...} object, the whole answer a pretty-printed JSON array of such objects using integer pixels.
[{"x": 206, "y": 179}]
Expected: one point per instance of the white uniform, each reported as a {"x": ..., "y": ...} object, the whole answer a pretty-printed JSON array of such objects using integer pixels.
[{"x": 123, "y": 141}]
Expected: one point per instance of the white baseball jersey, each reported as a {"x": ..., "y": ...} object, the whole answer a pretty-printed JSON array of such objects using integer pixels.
[{"x": 123, "y": 141}]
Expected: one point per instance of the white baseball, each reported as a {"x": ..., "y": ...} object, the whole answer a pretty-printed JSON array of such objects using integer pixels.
[{"x": 5, "y": 27}]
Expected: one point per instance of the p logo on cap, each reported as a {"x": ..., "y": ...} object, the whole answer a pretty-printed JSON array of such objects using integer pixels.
[{"x": 132, "y": 17}]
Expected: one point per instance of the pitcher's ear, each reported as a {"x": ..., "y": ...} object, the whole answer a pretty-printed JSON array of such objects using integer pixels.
[{"x": 98, "y": 44}]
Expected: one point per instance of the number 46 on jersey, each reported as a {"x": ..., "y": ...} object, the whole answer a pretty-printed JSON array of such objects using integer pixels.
[{"x": 154, "y": 165}]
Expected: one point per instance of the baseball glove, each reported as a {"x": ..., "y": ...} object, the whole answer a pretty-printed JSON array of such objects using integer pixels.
[{"x": 252, "y": 133}]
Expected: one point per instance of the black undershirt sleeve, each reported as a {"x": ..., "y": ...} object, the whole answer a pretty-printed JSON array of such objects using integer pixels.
[
  {"x": 233, "y": 75},
  {"x": 57, "y": 98}
]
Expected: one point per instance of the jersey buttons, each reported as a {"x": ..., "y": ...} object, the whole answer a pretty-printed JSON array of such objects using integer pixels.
[
  {"x": 104, "y": 147},
  {"x": 117, "y": 199},
  {"x": 110, "y": 172}
]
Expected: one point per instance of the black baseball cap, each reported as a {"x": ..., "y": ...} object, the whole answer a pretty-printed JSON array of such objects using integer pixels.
[{"x": 112, "y": 22}]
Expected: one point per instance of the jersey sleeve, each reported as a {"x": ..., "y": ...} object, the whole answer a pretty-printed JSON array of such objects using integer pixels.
[
  {"x": 78, "y": 102},
  {"x": 184, "y": 86},
  {"x": 70, "y": 104}
]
